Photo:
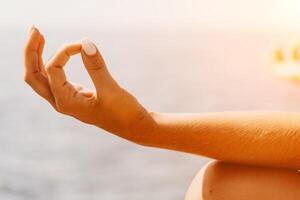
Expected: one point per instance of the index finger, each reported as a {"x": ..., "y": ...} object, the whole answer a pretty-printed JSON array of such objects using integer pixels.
[{"x": 54, "y": 67}]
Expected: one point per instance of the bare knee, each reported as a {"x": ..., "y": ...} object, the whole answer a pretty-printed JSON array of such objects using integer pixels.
[
  {"x": 219, "y": 180},
  {"x": 199, "y": 187},
  {"x": 216, "y": 181}
]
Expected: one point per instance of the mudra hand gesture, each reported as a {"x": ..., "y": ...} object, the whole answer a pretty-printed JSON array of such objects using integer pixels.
[{"x": 109, "y": 107}]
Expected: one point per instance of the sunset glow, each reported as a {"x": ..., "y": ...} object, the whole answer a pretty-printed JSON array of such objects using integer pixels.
[{"x": 255, "y": 14}]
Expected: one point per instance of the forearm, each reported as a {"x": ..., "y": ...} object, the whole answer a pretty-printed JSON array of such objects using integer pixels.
[
  {"x": 257, "y": 138},
  {"x": 261, "y": 138}
]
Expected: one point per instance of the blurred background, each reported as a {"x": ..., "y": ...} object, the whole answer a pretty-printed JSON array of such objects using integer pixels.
[{"x": 173, "y": 55}]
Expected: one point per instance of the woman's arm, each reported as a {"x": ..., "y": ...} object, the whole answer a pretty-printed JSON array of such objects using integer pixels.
[{"x": 258, "y": 138}]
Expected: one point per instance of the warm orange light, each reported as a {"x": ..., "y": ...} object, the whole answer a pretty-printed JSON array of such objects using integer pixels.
[{"x": 285, "y": 62}]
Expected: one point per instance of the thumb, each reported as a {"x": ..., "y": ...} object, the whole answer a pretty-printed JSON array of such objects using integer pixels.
[{"x": 95, "y": 65}]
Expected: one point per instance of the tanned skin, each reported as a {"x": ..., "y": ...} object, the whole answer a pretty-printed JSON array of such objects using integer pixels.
[{"x": 269, "y": 139}]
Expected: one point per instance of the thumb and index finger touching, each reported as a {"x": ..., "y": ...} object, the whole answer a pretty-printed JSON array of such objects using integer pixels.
[{"x": 92, "y": 60}]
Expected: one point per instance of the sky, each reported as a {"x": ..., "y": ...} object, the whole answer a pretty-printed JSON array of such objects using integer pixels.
[{"x": 258, "y": 14}]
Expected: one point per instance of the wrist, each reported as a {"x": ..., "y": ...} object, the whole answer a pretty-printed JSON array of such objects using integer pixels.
[{"x": 143, "y": 130}]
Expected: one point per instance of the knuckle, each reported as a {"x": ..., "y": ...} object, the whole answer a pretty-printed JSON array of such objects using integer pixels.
[
  {"x": 63, "y": 106},
  {"x": 57, "y": 108},
  {"x": 113, "y": 98},
  {"x": 60, "y": 107},
  {"x": 63, "y": 48},
  {"x": 28, "y": 79},
  {"x": 96, "y": 64}
]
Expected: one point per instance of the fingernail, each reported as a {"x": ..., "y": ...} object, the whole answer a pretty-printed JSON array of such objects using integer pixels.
[
  {"x": 33, "y": 27},
  {"x": 89, "y": 47}
]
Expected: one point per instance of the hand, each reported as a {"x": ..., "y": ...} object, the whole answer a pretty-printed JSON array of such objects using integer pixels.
[{"x": 109, "y": 107}]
